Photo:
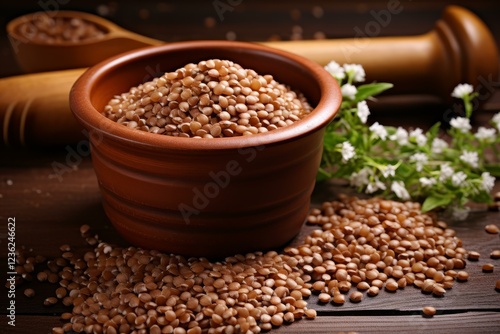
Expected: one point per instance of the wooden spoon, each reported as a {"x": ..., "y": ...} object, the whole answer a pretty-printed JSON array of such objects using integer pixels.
[
  {"x": 459, "y": 49},
  {"x": 35, "y": 56}
]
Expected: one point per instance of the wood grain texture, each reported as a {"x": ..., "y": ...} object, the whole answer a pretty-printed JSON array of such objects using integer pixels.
[
  {"x": 49, "y": 209},
  {"x": 466, "y": 322}
]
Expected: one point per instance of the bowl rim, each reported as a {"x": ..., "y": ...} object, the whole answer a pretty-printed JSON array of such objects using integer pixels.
[{"x": 82, "y": 107}]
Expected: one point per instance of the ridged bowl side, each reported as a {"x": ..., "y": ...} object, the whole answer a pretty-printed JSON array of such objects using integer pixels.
[{"x": 238, "y": 201}]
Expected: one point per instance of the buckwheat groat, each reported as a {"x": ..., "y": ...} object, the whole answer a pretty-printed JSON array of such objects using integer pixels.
[{"x": 214, "y": 98}]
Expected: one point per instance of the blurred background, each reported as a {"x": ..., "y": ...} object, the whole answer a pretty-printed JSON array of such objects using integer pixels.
[
  {"x": 259, "y": 20},
  {"x": 248, "y": 20}
]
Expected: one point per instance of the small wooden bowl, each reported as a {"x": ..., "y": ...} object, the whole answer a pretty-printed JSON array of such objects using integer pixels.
[{"x": 205, "y": 197}]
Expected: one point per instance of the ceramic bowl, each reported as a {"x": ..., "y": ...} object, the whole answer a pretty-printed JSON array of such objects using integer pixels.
[{"x": 205, "y": 197}]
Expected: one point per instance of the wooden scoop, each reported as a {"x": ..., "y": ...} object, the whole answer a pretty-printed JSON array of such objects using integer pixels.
[
  {"x": 34, "y": 56},
  {"x": 459, "y": 49}
]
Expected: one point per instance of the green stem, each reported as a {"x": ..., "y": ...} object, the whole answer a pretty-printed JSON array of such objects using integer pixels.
[{"x": 468, "y": 106}]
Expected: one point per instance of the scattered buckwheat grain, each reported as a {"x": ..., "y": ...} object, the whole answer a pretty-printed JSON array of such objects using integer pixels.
[
  {"x": 491, "y": 228},
  {"x": 495, "y": 254},
  {"x": 488, "y": 267},
  {"x": 361, "y": 245},
  {"x": 429, "y": 311}
]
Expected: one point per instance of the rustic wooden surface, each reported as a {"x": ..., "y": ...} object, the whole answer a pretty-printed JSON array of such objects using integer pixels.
[
  {"x": 49, "y": 209},
  {"x": 49, "y": 212}
]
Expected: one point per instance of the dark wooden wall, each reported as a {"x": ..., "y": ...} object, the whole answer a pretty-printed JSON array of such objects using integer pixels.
[{"x": 250, "y": 20}]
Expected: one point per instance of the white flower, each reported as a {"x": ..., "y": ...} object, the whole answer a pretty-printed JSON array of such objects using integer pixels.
[
  {"x": 420, "y": 159},
  {"x": 419, "y": 136},
  {"x": 496, "y": 120},
  {"x": 427, "y": 182},
  {"x": 389, "y": 170},
  {"x": 360, "y": 179},
  {"x": 488, "y": 181},
  {"x": 458, "y": 179},
  {"x": 485, "y": 134},
  {"x": 462, "y": 90},
  {"x": 446, "y": 172},
  {"x": 438, "y": 145},
  {"x": 348, "y": 91},
  {"x": 335, "y": 70},
  {"x": 399, "y": 189},
  {"x": 459, "y": 213},
  {"x": 401, "y": 136},
  {"x": 347, "y": 151},
  {"x": 355, "y": 71},
  {"x": 363, "y": 111},
  {"x": 461, "y": 123},
  {"x": 374, "y": 186},
  {"x": 471, "y": 158},
  {"x": 378, "y": 130}
]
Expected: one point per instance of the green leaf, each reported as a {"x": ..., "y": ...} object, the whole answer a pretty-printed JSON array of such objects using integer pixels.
[
  {"x": 433, "y": 131},
  {"x": 331, "y": 139},
  {"x": 436, "y": 201},
  {"x": 405, "y": 171},
  {"x": 482, "y": 197},
  {"x": 368, "y": 90},
  {"x": 494, "y": 170},
  {"x": 322, "y": 175},
  {"x": 346, "y": 105}
]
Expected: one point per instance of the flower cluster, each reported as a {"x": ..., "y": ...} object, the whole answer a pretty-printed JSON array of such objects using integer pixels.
[{"x": 442, "y": 170}]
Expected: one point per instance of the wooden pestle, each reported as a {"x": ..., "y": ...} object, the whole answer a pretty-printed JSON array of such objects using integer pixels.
[
  {"x": 34, "y": 108},
  {"x": 459, "y": 49}
]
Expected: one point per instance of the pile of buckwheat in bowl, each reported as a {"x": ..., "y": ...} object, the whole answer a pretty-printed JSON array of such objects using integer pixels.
[{"x": 213, "y": 98}]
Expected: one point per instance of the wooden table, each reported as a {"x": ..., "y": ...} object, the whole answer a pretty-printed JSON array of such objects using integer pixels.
[
  {"x": 49, "y": 212},
  {"x": 49, "y": 209}
]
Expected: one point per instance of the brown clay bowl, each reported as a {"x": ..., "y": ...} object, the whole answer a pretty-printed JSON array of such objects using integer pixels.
[{"x": 205, "y": 197}]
